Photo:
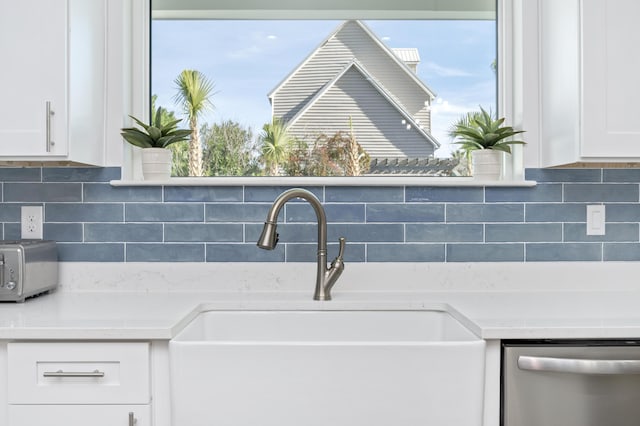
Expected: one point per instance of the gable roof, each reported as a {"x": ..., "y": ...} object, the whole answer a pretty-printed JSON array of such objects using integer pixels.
[
  {"x": 389, "y": 52},
  {"x": 367, "y": 76}
]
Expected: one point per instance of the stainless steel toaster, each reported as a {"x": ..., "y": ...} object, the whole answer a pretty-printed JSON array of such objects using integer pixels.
[{"x": 27, "y": 268}]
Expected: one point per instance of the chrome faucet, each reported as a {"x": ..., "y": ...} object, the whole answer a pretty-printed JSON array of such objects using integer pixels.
[{"x": 325, "y": 277}]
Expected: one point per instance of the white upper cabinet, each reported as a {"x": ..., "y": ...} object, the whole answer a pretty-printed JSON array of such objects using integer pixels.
[
  {"x": 590, "y": 81},
  {"x": 33, "y": 46},
  {"x": 52, "y": 80}
]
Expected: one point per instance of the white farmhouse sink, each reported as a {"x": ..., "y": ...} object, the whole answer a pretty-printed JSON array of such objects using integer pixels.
[{"x": 326, "y": 368}]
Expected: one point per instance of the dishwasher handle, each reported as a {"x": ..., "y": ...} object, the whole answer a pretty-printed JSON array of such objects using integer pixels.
[{"x": 579, "y": 366}]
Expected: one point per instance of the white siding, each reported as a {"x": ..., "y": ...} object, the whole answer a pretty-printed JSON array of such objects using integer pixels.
[
  {"x": 377, "y": 123},
  {"x": 349, "y": 43}
]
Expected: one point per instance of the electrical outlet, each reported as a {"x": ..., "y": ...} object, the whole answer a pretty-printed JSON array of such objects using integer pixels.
[{"x": 31, "y": 222}]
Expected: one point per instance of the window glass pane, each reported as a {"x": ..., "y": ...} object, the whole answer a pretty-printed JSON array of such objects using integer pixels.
[{"x": 324, "y": 97}]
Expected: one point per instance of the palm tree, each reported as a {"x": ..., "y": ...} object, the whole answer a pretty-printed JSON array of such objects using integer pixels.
[
  {"x": 276, "y": 143},
  {"x": 464, "y": 120},
  {"x": 463, "y": 168},
  {"x": 194, "y": 94},
  {"x": 356, "y": 155}
]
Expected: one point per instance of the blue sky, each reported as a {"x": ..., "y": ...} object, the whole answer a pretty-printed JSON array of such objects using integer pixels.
[{"x": 247, "y": 59}]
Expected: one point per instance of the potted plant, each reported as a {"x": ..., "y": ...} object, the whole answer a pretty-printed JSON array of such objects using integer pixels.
[
  {"x": 487, "y": 140},
  {"x": 154, "y": 138}
]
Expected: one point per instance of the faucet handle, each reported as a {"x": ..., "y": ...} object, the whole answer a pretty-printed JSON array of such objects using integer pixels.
[{"x": 343, "y": 243}]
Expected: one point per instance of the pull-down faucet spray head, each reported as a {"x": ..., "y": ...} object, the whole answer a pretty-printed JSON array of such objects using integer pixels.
[{"x": 269, "y": 237}]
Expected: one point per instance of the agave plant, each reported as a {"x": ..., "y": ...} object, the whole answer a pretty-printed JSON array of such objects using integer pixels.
[
  {"x": 155, "y": 135},
  {"x": 480, "y": 130}
]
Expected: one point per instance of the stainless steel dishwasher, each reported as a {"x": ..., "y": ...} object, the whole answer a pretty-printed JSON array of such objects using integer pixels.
[{"x": 570, "y": 383}]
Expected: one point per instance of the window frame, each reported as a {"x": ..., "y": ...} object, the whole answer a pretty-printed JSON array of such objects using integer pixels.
[{"x": 510, "y": 97}]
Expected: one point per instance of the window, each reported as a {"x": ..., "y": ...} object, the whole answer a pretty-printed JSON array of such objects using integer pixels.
[{"x": 351, "y": 90}]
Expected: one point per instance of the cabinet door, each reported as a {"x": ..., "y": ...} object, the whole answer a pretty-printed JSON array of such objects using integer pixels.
[
  {"x": 33, "y": 36},
  {"x": 79, "y": 415},
  {"x": 611, "y": 78}
]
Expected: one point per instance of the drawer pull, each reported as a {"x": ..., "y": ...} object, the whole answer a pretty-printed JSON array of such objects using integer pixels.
[{"x": 60, "y": 373}]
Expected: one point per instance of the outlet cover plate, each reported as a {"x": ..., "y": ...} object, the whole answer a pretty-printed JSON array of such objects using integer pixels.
[{"x": 31, "y": 223}]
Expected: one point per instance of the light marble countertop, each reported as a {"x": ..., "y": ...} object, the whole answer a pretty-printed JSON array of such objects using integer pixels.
[{"x": 153, "y": 304}]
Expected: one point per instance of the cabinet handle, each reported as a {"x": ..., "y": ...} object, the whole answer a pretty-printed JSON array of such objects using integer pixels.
[
  {"x": 1, "y": 270},
  {"x": 579, "y": 366},
  {"x": 132, "y": 419},
  {"x": 60, "y": 373},
  {"x": 50, "y": 114}
]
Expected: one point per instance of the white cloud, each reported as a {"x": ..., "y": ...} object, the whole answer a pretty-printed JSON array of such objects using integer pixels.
[
  {"x": 446, "y": 71},
  {"x": 247, "y": 52},
  {"x": 258, "y": 44}
]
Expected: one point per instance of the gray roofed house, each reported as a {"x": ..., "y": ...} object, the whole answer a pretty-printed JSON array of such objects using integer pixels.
[
  {"x": 410, "y": 56},
  {"x": 353, "y": 75}
]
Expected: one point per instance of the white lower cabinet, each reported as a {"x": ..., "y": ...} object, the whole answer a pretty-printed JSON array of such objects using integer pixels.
[{"x": 79, "y": 383}]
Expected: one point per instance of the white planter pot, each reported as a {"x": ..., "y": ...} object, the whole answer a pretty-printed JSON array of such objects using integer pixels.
[
  {"x": 487, "y": 164},
  {"x": 156, "y": 163}
]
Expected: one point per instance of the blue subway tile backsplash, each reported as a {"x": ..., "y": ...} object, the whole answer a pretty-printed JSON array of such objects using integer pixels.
[
  {"x": 555, "y": 212},
  {"x": 524, "y": 232},
  {"x": 78, "y": 174},
  {"x": 122, "y": 232},
  {"x": 237, "y": 212},
  {"x": 564, "y": 175},
  {"x": 235, "y": 252},
  {"x": 188, "y": 194},
  {"x": 442, "y": 194},
  {"x": 563, "y": 252},
  {"x": 447, "y": 233},
  {"x": 347, "y": 194},
  {"x": 203, "y": 232},
  {"x": 85, "y": 213},
  {"x": 63, "y": 232},
  {"x": 21, "y": 174},
  {"x": 485, "y": 213},
  {"x": 164, "y": 212},
  {"x": 405, "y": 213},
  {"x": 606, "y": 192},
  {"x": 487, "y": 252},
  {"x": 623, "y": 212},
  {"x": 91, "y": 252},
  {"x": 547, "y": 193},
  {"x": 302, "y": 212},
  {"x": 41, "y": 192},
  {"x": 621, "y": 175},
  {"x": 621, "y": 252},
  {"x": 165, "y": 252},
  {"x": 95, "y": 222},
  {"x": 406, "y": 252},
  {"x": 100, "y": 193}
]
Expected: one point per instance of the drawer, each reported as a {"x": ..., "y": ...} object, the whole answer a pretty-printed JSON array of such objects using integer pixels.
[
  {"x": 78, "y": 373},
  {"x": 67, "y": 415}
]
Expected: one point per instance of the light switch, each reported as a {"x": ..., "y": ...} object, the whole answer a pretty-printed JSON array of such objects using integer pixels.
[{"x": 595, "y": 219}]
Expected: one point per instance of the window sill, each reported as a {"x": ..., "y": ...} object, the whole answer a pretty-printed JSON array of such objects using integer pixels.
[{"x": 327, "y": 181}]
